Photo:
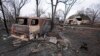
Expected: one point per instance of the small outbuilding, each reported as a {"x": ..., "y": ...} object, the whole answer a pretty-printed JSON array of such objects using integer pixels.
[{"x": 78, "y": 20}]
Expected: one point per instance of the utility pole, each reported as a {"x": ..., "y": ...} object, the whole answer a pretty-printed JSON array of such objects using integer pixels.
[{"x": 4, "y": 17}]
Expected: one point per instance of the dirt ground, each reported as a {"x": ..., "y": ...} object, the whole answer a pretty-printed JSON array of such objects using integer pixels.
[
  {"x": 82, "y": 42},
  {"x": 85, "y": 40}
]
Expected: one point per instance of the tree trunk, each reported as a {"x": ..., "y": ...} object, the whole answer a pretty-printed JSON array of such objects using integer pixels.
[
  {"x": 52, "y": 23},
  {"x": 4, "y": 17},
  {"x": 37, "y": 4}
]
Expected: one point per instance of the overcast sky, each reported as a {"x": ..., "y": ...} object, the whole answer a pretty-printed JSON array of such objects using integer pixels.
[{"x": 29, "y": 8}]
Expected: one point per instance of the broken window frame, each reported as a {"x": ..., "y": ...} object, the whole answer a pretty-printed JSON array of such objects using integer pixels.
[
  {"x": 25, "y": 21},
  {"x": 36, "y": 21},
  {"x": 79, "y": 19}
]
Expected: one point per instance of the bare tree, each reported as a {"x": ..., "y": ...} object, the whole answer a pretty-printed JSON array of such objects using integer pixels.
[
  {"x": 93, "y": 14},
  {"x": 40, "y": 12},
  {"x": 8, "y": 15},
  {"x": 68, "y": 5},
  {"x": 37, "y": 8},
  {"x": 14, "y": 11},
  {"x": 4, "y": 17},
  {"x": 54, "y": 7},
  {"x": 17, "y": 6}
]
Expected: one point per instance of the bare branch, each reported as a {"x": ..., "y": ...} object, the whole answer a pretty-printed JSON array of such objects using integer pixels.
[
  {"x": 16, "y": 5},
  {"x": 93, "y": 14}
]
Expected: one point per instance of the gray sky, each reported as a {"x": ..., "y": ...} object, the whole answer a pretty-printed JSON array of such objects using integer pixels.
[{"x": 28, "y": 9}]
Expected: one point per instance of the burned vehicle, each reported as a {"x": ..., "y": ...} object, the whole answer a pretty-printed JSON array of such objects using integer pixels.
[{"x": 28, "y": 28}]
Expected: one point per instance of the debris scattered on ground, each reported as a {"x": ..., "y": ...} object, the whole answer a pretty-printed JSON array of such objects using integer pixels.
[{"x": 53, "y": 40}]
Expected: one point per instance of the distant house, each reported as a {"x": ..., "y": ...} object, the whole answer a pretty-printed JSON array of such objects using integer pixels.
[{"x": 78, "y": 20}]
